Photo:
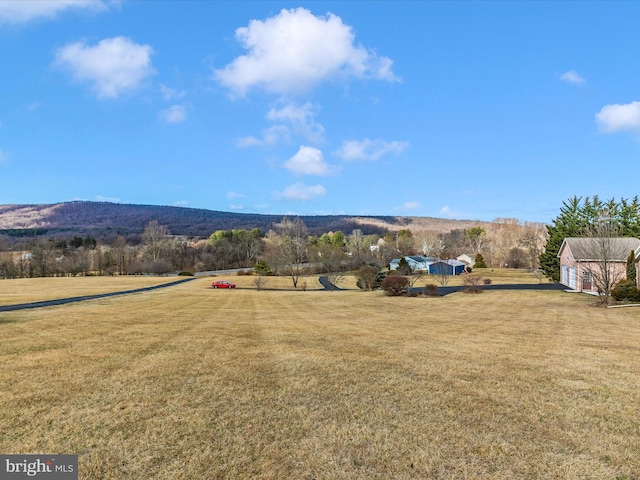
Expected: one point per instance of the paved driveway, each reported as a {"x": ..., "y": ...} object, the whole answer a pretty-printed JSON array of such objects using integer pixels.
[
  {"x": 62, "y": 301},
  {"x": 512, "y": 286}
]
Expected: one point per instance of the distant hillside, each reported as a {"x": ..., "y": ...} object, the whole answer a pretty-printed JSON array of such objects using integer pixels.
[{"x": 102, "y": 219}]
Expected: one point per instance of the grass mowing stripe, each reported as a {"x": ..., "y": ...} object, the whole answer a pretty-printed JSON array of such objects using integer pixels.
[{"x": 192, "y": 383}]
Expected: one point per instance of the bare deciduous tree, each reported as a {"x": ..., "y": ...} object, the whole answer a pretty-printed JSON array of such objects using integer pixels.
[
  {"x": 357, "y": 245},
  {"x": 260, "y": 281},
  {"x": 609, "y": 253},
  {"x": 405, "y": 242},
  {"x": 533, "y": 238},
  {"x": 155, "y": 238},
  {"x": 288, "y": 249},
  {"x": 430, "y": 244},
  {"x": 442, "y": 273}
]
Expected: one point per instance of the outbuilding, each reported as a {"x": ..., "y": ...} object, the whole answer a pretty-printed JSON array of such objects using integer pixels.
[{"x": 447, "y": 267}]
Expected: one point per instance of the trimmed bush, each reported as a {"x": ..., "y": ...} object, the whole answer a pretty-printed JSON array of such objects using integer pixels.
[
  {"x": 185, "y": 273},
  {"x": 487, "y": 281},
  {"x": 395, "y": 285},
  {"x": 626, "y": 290}
]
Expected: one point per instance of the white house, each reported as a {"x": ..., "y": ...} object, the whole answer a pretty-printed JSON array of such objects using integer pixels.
[{"x": 466, "y": 259}]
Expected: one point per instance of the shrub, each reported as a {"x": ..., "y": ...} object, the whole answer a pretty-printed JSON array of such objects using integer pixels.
[
  {"x": 431, "y": 290},
  {"x": 158, "y": 267},
  {"x": 370, "y": 277},
  {"x": 487, "y": 281},
  {"x": 395, "y": 285},
  {"x": 261, "y": 268},
  {"x": 260, "y": 281},
  {"x": 626, "y": 290},
  {"x": 472, "y": 284},
  {"x": 185, "y": 273}
]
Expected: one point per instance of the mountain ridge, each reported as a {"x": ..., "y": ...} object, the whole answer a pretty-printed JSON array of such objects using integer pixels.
[{"x": 106, "y": 219}]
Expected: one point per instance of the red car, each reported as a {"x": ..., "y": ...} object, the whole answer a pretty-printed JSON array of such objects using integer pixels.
[{"x": 223, "y": 284}]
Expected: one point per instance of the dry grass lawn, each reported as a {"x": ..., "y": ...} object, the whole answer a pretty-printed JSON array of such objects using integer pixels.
[
  {"x": 194, "y": 383},
  {"x": 25, "y": 290}
]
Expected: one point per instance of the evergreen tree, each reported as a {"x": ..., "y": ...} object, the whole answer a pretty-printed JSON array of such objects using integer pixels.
[
  {"x": 629, "y": 214},
  {"x": 631, "y": 267},
  {"x": 261, "y": 268},
  {"x": 403, "y": 267},
  {"x": 569, "y": 223},
  {"x": 577, "y": 217},
  {"x": 479, "y": 261}
]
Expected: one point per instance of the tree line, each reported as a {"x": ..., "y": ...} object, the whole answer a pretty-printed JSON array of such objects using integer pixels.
[{"x": 286, "y": 248}]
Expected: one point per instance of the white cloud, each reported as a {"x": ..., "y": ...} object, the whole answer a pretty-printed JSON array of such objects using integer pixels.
[
  {"x": 301, "y": 192},
  {"x": 270, "y": 136},
  {"x": 170, "y": 93},
  {"x": 173, "y": 114},
  {"x": 356, "y": 150},
  {"x": 21, "y": 11},
  {"x": 572, "y": 77},
  {"x": 301, "y": 119},
  {"x": 4, "y": 158},
  {"x": 236, "y": 207},
  {"x": 294, "y": 50},
  {"x": 308, "y": 161},
  {"x": 180, "y": 203},
  {"x": 100, "y": 198},
  {"x": 235, "y": 195},
  {"x": 115, "y": 65},
  {"x": 619, "y": 117},
  {"x": 448, "y": 213},
  {"x": 411, "y": 205}
]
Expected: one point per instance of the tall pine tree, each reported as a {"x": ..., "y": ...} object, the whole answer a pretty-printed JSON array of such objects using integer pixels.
[
  {"x": 575, "y": 219},
  {"x": 630, "y": 217},
  {"x": 570, "y": 223}
]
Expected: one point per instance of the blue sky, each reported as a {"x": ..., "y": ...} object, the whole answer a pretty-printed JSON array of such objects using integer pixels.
[{"x": 468, "y": 110}]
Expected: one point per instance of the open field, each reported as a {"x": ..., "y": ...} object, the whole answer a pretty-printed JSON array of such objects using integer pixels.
[
  {"x": 25, "y": 290},
  {"x": 194, "y": 383}
]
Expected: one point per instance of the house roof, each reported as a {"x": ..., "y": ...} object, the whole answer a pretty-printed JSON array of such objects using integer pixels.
[
  {"x": 416, "y": 258},
  {"x": 587, "y": 248},
  {"x": 452, "y": 262},
  {"x": 420, "y": 258}
]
